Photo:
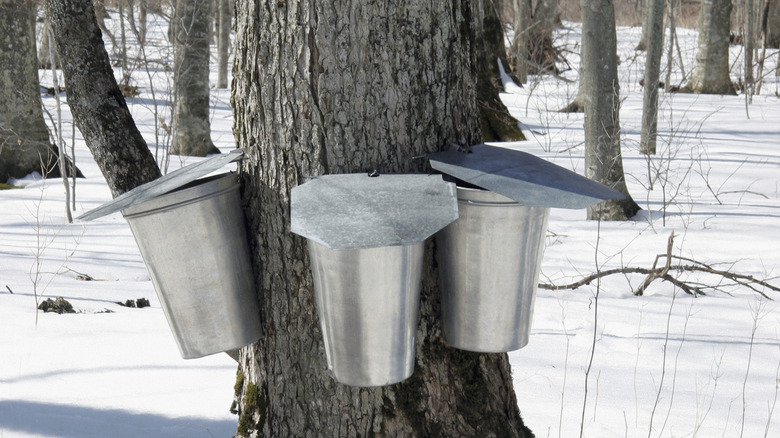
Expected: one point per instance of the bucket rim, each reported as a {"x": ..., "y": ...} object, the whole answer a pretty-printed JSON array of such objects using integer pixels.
[
  {"x": 195, "y": 191},
  {"x": 478, "y": 196}
]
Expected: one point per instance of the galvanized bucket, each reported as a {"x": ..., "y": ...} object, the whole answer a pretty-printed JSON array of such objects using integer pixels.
[
  {"x": 193, "y": 242},
  {"x": 368, "y": 302},
  {"x": 489, "y": 262}
]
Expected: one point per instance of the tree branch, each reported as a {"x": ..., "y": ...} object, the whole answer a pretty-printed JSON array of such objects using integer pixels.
[{"x": 665, "y": 273}]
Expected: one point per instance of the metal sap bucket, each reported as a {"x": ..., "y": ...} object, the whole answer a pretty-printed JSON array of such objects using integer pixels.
[
  {"x": 193, "y": 242},
  {"x": 368, "y": 302},
  {"x": 490, "y": 259}
]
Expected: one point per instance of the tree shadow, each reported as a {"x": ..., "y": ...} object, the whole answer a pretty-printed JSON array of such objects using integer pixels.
[{"x": 65, "y": 421}]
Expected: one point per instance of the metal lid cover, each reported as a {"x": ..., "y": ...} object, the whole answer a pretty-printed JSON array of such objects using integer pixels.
[
  {"x": 162, "y": 185},
  {"x": 356, "y": 211},
  {"x": 522, "y": 177}
]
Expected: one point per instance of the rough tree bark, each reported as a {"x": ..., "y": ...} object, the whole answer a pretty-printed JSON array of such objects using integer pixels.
[
  {"x": 601, "y": 92},
  {"x": 191, "y": 124},
  {"x": 325, "y": 88},
  {"x": 98, "y": 107},
  {"x": 25, "y": 146},
  {"x": 654, "y": 23},
  {"x": 711, "y": 74}
]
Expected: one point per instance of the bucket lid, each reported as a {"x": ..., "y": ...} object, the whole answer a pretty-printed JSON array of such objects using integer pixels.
[
  {"x": 522, "y": 177},
  {"x": 162, "y": 185},
  {"x": 356, "y": 211}
]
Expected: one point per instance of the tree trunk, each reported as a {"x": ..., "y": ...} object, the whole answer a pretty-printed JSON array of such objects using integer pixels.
[
  {"x": 654, "y": 45},
  {"x": 540, "y": 43},
  {"x": 98, "y": 107},
  {"x": 578, "y": 104},
  {"x": 102, "y": 15},
  {"x": 601, "y": 92},
  {"x": 325, "y": 89},
  {"x": 642, "y": 45},
  {"x": 25, "y": 146},
  {"x": 223, "y": 42},
  {"x": 44, "y": 58},
  {"x": 519, "y": 48},
  {"x": 711, "y": 74},
  {"x": 771, "y": 24},
  {"x": 191, "y": 124},
  {"x": 497, "y": 124},
  {"x": 748, "y": 41}
]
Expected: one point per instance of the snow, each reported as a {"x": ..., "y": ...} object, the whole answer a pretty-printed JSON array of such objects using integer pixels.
[
  {"x": 715, "y": 188},
  {"x": 663, "y": 364}
]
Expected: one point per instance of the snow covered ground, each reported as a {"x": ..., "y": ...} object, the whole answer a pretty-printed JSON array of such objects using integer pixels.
[{"x": 663, "y": 364}]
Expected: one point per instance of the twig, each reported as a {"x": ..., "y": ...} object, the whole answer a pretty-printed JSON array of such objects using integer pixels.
[{"x": 9, "y": 289}]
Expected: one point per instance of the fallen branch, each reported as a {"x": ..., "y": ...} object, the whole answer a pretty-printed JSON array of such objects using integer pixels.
[{"x": 665, "y": 273}]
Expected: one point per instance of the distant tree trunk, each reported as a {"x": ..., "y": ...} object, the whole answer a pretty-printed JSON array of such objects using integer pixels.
[
  {"x": 44, "y": 60},
  {"x": 541, "y": 50},
  {"x": 749, "y": 35},
  {"x": 711, "y": 74},
  {"x": 138, "y": 26},
  {"x": 578, "y": 104},
  {"x": 670, "y": 51},
  {"x": 98, "y": 107},
  {"x": 224, "y": 19},
  {"x": 370, "y": 86},
  {"x": 102, "y": 15},
  {"x": 519, "y": 47},
  {"x": 655, "y": 43},
  {"x": 603, "y": 159},
  {"x": 497, "y": 123},
  {"x": 191, "y": 124},
  {"x": 25, "y": 146},
  {"x": 642, "y": 45},
  {"x": 772, "y": 28}
]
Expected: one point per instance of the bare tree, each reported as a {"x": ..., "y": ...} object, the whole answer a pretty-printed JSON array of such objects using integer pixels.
[
  {"x": 497, "y": 123},
  {"x": 97, "y": 104},
  {"x": 541, "y": 50},
  {"x": 25, "y": 145},
  {"x": 191, "y": 124},
  {"x": 654, "y": 22},
  {"x": 645, "y": 5},
  {"x": 601, "y": 92},
  {"x": 323, "y": 90},
  {"x": 224, "y": 20},
  {"x": 519, "y": 47},
  {"x": 711, "y": 74},
  {"x": 770, "y": 23}
]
